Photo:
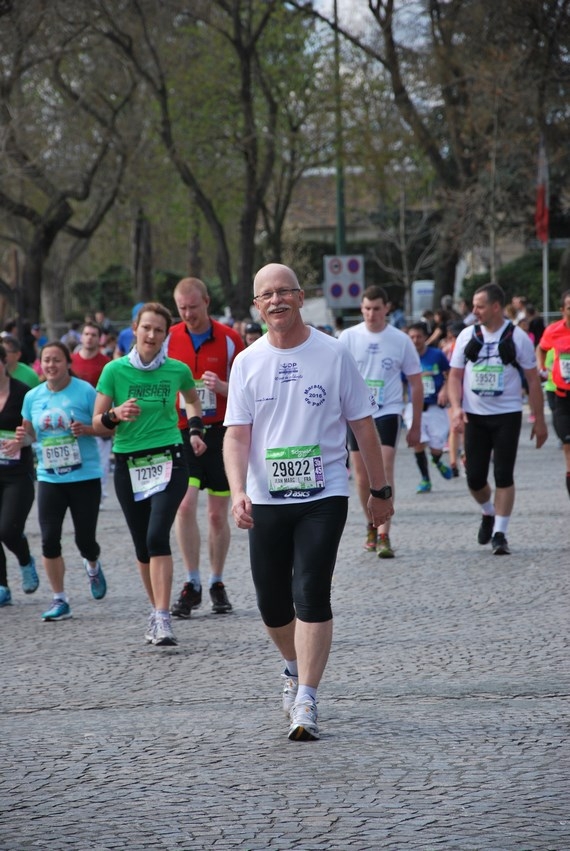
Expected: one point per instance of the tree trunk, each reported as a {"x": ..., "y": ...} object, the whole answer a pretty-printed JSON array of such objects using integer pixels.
[
  {"x": 241, "y": 301},
  {"x": 142, "y": 258},
  {"x": 194, "y": 246},
  {"x": 53, "y": 303},
  {"x": 31, "y": 279}
]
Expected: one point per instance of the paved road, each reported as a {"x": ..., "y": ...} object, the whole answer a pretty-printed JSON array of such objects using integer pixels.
[{"x": 444, "y": 709}]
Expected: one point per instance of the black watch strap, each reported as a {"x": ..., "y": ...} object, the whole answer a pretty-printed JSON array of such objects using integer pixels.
[{"x": 383, "y": 493}]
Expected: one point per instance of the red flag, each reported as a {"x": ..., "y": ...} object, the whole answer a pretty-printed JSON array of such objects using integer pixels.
[{"x": 541, "y": 213}]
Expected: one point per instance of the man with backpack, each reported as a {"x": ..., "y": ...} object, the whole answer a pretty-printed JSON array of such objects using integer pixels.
[{"x": 491, "y": 362}]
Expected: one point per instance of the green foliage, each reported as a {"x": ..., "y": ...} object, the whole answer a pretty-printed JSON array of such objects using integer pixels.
[
  {"x": 216, "y": 110},
  {"x": 110, "y": 291},
  {"x": 164, "y": 282},
  {"x": 524, "y": 277}
]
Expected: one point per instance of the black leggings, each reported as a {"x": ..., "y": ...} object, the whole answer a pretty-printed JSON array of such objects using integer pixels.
[
  {"x": 151, "y": 519},
  {"x": 561, "y": 418},
  {"x": 491, "y": 434},
  {"x": 293, "y": 551},
  {"x": 16, "y": 499},
  {"x": 82, "y": 499}
]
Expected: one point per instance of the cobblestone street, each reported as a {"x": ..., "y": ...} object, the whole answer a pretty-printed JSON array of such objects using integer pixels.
[{"x": 444, "y": 710}]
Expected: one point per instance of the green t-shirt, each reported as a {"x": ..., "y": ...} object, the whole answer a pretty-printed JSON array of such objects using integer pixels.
[
  {"x": 548, "y": 361},
  {"x": 156, "y": 392},
  {"x": 26, "y": 375}
]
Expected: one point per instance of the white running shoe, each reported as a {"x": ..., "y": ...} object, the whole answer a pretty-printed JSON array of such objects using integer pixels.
[
  {"x": 163, "y": 635},
  {"x": 149, "y": 633},
  {"x": 290, "y": 688},
  {"x": 304, "y": 725}
]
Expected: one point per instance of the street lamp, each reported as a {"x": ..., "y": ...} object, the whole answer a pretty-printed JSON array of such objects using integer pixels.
[{"x": 340, "y": 223}]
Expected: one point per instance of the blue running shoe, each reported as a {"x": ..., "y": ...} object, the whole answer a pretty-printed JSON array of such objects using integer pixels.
[
  {"x": 445, "y": 471},
  {"x": 30, "y": 579},
  {"x": 60, "y": 611},
  {"x": 98, "y": 582},
  {"x": 5, "y": 596},
  {"x": 424, "y": 486}
]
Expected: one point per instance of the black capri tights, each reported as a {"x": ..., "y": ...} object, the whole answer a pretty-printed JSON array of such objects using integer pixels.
[
  {"x": 151, "y": 519},
  {"x": 293, "y": 549},
  {"x": 16, "y": 499},
  {"x": 496, "y": 435},
  {"x": 82, "y": 499}
]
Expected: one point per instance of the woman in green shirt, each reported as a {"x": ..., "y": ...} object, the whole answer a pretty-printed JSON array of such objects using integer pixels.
[{"x": 136, "y": 400}]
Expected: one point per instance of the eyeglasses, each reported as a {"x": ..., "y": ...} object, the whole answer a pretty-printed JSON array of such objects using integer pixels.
[{"x": 286, "y": 292}]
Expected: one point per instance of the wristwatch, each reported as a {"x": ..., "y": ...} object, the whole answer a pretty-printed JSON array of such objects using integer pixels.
[
  {"x": 383, "y": 493},
  {"x": 112, "y": 415}
]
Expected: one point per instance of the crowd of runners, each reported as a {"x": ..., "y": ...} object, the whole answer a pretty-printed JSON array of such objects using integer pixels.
[{"x": 269, "y": 419}]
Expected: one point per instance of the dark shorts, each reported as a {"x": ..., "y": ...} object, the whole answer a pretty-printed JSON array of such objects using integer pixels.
[
  {"x": 388, "y": 428},
  {"x": 293, "y": 549},
  {"x": 207, "y": 471},
  {"x": 495, "y": 436},
  {"x": 561, "y": 418}
]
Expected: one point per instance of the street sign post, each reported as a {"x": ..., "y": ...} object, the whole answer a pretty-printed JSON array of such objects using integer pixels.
[{"x": 343, "y": 280}]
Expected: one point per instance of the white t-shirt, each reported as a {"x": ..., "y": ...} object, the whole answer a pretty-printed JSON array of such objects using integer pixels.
[
  {"x": 489, "y": 385},
  {"x": 382, "y": 357},
  {"x": 297, "y": 401}
]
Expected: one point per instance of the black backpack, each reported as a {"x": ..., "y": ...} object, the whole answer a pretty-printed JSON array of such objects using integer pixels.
[{"x": 507, "y": 350}]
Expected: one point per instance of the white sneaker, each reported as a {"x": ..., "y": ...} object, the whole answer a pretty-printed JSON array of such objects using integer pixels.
[
  {"x": 304, "y": 725},
  {"x": 290, "y": 688},
  {"x": 149, "y": 634},
  {"x": 163, "y": 635}
]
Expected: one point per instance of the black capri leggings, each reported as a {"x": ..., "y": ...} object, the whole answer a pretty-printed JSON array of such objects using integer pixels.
[
  {"x": 497, "y": 434},
  {"x": 82, "y": 499},
  {"x": 293, "y": 551},
  {"x": 151, "y": 519},
  {"x": 16, "y": 499}
]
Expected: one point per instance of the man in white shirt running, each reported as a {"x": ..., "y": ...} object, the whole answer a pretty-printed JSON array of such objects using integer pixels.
[
  {"x": 485, "y": 384},
  {"x": 382, "y": 353},
  {"x": 291, "y": 394}
]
